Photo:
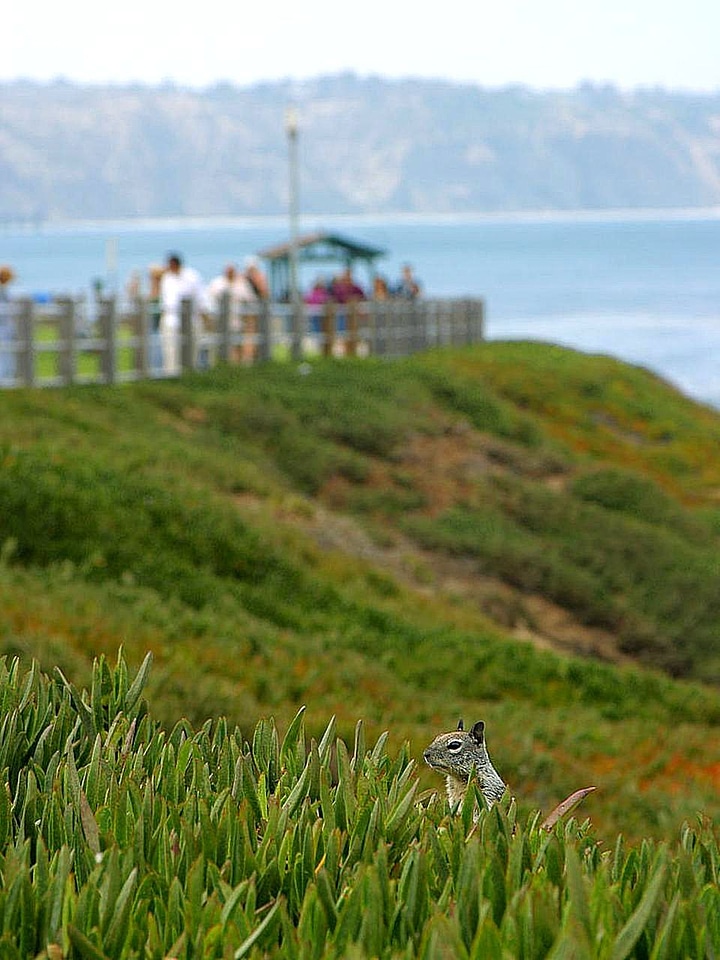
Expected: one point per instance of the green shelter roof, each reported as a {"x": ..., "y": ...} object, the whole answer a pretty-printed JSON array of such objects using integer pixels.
[{"x": 324, "y": 247}]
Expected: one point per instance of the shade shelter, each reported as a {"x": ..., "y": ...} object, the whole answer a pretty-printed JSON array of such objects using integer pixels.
[{"x": 318, "y": 248}]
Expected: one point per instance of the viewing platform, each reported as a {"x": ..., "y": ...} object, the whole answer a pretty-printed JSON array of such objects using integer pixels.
[{"x": 111, "y": 340}]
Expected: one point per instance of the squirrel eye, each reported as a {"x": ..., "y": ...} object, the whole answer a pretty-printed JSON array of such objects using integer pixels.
[{"x": 454, "y": 744}]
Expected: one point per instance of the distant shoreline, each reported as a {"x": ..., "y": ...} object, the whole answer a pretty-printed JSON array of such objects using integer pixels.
[{"x": 314, "y": 220}]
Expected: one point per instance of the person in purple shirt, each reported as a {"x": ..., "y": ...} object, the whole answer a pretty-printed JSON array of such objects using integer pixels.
[
  {"x": 344, "y": 289},
  {"x": 316, "y": 298}
]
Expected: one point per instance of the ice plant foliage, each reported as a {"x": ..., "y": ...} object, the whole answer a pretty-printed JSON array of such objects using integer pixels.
[{"x": 120, "y": 839}]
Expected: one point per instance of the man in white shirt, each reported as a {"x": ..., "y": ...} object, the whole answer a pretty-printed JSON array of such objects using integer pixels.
[
  {"x": 233, "y": 282},
  {"x": 178, "y": 283},
  {"x": 236, "y": 284}
]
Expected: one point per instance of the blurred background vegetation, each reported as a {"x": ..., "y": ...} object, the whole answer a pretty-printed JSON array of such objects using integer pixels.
[{"x": 515, "y": 532}]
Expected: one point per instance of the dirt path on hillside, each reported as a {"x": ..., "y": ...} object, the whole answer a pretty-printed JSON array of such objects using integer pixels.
[{"x": 524, "y": 616}]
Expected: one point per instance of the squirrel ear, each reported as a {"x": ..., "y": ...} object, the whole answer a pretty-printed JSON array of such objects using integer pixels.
[
  {"x": 461, "y": 726},
  {"x": 477, "y": 732}
]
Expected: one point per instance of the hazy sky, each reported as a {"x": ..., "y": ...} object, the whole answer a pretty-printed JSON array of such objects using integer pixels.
[{"x": 542, "y": 43}]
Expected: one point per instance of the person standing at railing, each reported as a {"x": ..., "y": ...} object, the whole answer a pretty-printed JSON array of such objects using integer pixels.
[
  {"x": 238, "y": 287},
  {"x": 315, "y": 300},
  {"x": 347, "y": 294},
  {"x": 407, "y": 287},
  {"x": 344, "y": 289},
  {"x": 8, "y": 363},
  {"x": 256, "y": 278},
  {"x": 381, "y": 290},
  {"x": 258, "y": 281},
  {"x": 155, "y": 275},
  {"x": 178, "y": 283}
]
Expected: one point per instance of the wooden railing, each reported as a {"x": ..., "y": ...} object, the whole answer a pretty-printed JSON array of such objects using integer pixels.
[{"x": 71, "y": 341}]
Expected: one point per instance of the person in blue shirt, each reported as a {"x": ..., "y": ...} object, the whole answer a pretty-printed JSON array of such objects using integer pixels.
[{"x": 407, "y": 287}]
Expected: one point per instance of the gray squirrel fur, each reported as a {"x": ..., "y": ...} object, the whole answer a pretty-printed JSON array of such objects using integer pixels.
[{"x": 460, "y": 753}]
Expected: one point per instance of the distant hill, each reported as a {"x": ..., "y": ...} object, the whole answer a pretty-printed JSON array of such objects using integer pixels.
[{"x": 368, "y": 145}]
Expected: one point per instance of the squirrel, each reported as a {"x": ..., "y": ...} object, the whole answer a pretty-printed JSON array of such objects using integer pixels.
[{"x": 460, "y": 753}]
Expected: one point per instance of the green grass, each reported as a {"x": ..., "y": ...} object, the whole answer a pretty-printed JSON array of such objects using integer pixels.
[
  {"x": 602, "y": 407},
  {"x": 48, "y": 362},
  {"x": 175, "y": 517}
]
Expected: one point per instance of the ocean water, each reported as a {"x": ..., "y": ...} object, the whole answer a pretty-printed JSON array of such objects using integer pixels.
[{"x": 644, "y": 287}]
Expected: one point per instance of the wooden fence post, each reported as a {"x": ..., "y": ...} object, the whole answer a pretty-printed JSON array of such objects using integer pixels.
[
  {"x": 264, "y": 350},
  {"x": 67, "y": 354},
  {"x": 375, "y": 341},
  {"x": 392, "y": 329},
  {"x": 468, "y": 324},
  {"x": 351, "y": 341},
  {"x": 439, "y": 318},
  {"x": 108, "y": 331},
  {"x": 479, "y": 320},
  {"x": 410, "y": 326},
  {"x": 458, "y": 323},
  {"x": 404, "y": 330},
  {"x": 188, "y": 336},
  {"x": 328, "y": 329},
  {"x": 450, "y": 322},
  {"x": 422, "y": 312},
  {"x": 141, "y": 331},
  {"x": 224, "y": 348},
  {"x": 413, "y": 342},
  {"x": 436, "y": 324},
  {"x": 26, "y": 340},
  {"x": 298, "y": 328}
]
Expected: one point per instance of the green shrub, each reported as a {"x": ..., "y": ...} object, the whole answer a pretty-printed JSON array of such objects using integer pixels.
[
  {"x": 646, "y": 580},
  {"x": 113, "y": 525},
  {"x": 474, "y": 399},
  {"x": 636, "y": 496}
]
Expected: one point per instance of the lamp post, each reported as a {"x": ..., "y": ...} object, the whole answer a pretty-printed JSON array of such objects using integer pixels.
[{"x": 291, "y": 128}]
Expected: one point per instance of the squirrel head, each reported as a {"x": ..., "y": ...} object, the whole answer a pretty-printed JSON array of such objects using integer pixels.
[{"x": 457, "y": 753}]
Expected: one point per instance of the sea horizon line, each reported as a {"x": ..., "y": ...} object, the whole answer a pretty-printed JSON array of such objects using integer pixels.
[{"x": 316, "y": 221}]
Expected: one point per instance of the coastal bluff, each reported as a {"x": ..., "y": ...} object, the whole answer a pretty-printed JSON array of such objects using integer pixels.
[{"x": 367, "y": 146}]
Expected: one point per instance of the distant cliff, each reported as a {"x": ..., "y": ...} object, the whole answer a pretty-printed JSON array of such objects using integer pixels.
[{"x": 367, "y": 145}]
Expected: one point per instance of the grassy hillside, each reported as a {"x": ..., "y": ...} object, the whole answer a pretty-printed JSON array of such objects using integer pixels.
[{"x": 504, "y": 533}]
